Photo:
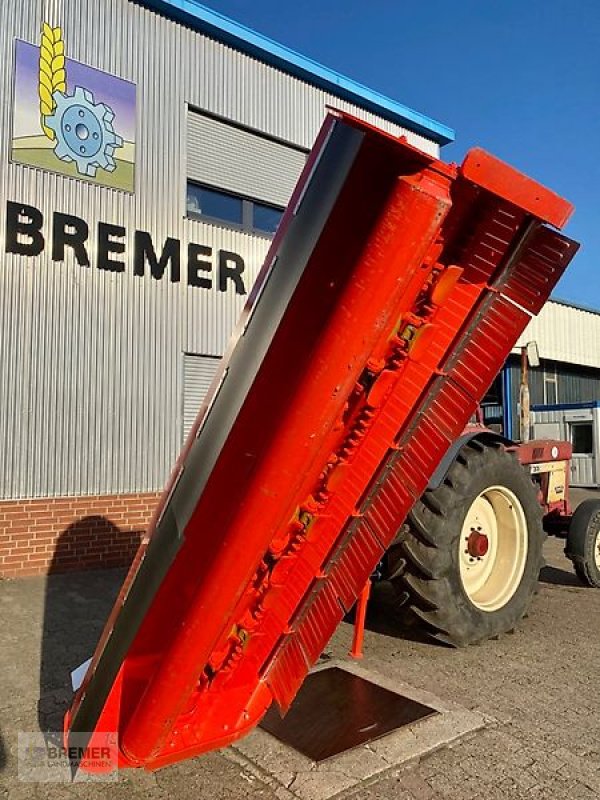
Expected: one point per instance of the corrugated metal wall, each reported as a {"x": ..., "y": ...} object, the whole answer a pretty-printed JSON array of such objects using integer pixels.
[
  {"x": 566, "y": 333},
  {"x": 573, "y": 385},
  {"x": 91, "y": 361},
  {"x": 565, "y": 424},
  {"x": 198, "y": 373}
]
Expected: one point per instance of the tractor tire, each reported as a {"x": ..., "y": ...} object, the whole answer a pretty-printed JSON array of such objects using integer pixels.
[
  {"x": 467, "y": 560},
  {"x": 583, "y": 542}
]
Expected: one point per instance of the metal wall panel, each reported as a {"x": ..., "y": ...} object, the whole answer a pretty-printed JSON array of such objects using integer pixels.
[
  {"x": 566, "y": 333},
  {"x": 91, "y": 380},
  {"x": 585, "y": 468},
  {"x": 241, "y": 162},
  {"x": 573, "y": 385},
  {"x": 198, "y": 373}
]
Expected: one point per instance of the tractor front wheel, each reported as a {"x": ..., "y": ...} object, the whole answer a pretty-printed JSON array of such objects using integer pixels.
[
  {"x": 583, "y": 542},
  {"x": 468, "y": 558}
]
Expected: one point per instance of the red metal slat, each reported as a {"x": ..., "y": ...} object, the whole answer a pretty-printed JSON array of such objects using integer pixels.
[
  {"x": 287, "y": 672},
  {"x": 497, "y": 223},
  {"x": 475, "y": 365},
  {"x": 289, "y": 579},
  {"x": 353, "y": 562},
  {"x": 392, "y": 499},
  {"x": 301, "y": 648},
  {"x": 422, "y": 447},
  {"x": 449, "y": 406},
  {"x": 542, "y": 263},
  {"x": 318, "y": 621},
  {"x": 403, "y": 481}
]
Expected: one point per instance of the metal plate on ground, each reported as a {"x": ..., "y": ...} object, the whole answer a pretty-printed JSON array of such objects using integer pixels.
[{"x": 336, "y": 711}]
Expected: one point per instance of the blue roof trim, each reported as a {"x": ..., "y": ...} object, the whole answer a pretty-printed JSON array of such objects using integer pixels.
[
  {"x": 568, "y": 406},
  {"x": 255, "y": 44}
]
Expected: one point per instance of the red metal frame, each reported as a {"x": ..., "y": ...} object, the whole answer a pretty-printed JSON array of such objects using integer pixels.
[
  {"x": 356, "y": 651},
  {"x": 401, "y": 318}
]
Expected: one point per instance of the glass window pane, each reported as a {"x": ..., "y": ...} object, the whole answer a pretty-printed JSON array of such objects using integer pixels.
[
  {"x": 550, "y": 391},
  {"x": 212, "y": 203},
  {"x": 582, "y": 438},
  {"x": 266, "y": 218}
]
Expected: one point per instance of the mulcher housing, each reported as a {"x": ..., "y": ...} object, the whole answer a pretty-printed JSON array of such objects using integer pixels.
[{"x": 393, "y": 291}]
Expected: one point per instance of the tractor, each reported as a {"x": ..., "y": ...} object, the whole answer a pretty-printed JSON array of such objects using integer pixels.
[{"x": 466, "y": 561}]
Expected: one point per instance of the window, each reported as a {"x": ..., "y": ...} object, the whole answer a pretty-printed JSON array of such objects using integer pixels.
[
  {"x": 211, "y": 203},
  {"x": 582, "y": 438},
  {"x": 265, "y": 218},
  {"x": 239, "y": 177},
  {"x": 214, "y": 205},
  {"x": 550, "y": 388}
]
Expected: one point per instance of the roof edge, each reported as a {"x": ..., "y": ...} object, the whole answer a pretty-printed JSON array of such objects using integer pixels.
[
  {"x": 578, "y": 306},
  {"x": 277, "y": 55}
]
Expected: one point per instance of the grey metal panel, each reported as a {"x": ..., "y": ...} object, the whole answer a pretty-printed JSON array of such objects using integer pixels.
[
  {"x": 573, "y": 385},
  {"x": 583, "y": 471},
  {"x": 565, "y": 333},
  {"x": 546, "y": 430},
  {"x": 198, "y": 373},
  {"x": 585, "y": 468},
  {"x": 90, "y": 362},
  {"x": 577, "y": 385},
  {"x": 239, "y": 161}
]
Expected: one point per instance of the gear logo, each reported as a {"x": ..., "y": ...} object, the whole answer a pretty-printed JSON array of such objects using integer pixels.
[
  {"x": 84, "y": 132},
  {"x": 86, "y": 117}
]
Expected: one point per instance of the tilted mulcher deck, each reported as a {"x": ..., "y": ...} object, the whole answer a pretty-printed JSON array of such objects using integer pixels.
[{"x": 392, "y": 294}]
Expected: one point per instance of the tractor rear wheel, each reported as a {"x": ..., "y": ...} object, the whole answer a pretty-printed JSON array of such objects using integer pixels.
[
  {"x": 468, "y": 558},
  {"x": 583, "y": 542}
]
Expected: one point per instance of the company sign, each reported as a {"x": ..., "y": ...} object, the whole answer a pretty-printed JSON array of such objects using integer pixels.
[
  {"x": 78, "y": 121},
  {"x": 27, "y": 233},
  {"x": 71, "y": 118}
]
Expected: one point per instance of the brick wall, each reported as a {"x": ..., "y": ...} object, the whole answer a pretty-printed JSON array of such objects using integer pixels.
[{"x": 60, "y": 534}]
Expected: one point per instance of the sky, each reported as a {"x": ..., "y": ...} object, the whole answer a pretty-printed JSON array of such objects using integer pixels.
[{"x": 520, "y": 78}]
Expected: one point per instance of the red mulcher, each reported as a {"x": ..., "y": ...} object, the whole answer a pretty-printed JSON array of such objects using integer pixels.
[{"x": 391, "y": 296}]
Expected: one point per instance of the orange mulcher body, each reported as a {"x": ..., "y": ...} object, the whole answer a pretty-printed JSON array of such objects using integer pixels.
[{"x": 393, "y": 291}]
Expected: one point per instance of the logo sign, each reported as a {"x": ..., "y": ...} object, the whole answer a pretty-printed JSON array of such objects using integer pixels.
[{"x": 71, "y": 118}]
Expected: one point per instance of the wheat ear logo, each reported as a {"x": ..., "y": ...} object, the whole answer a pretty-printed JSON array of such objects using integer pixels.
[
  {"x": 81, "y": 127},
  {"x": 53, "y": 77}
]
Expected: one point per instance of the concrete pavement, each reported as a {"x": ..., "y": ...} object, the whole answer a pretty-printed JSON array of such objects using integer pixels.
[{"x": 536, "y": 689}]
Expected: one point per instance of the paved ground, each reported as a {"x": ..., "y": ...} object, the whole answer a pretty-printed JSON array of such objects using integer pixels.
[{"x": 537, "y": 687}]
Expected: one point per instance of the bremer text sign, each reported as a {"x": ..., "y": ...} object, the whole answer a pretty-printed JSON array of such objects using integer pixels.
[{"x": 201, "y": 266}]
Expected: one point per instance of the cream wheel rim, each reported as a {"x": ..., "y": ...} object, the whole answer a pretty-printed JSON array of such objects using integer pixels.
[
  {"x": 493, "y": 548},
  {"x": 597, "y": 550}
]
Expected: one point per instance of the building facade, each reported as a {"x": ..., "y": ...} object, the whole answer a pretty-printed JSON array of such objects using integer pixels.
[
  {"x": 148, "y": 149},
  {"x": 568, "y": 340}
]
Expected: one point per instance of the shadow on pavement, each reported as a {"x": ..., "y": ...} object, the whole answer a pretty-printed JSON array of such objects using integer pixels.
[
  {"x": 2, "y": 754},
  {"x": 559, "y": 577},
  {"x": 77, "y": 605},
  {"x": 386, "y": 616}
]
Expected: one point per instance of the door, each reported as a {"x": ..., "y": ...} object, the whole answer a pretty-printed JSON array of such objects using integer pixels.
[{"x": 583, "y": 462}]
